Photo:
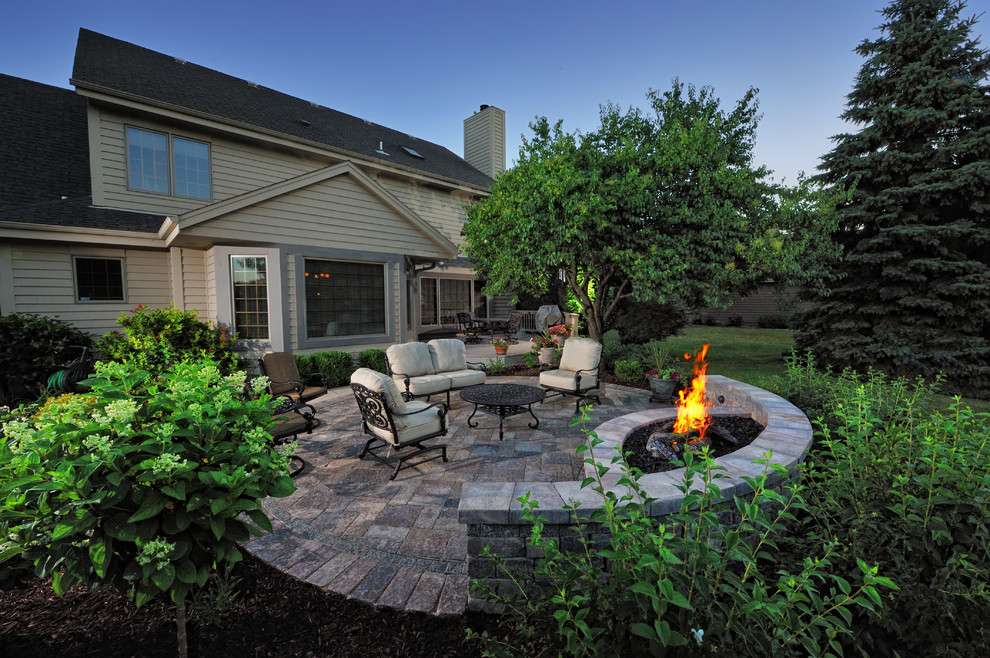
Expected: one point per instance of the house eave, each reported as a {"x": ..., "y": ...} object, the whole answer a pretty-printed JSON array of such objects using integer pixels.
[{"x": 54, "y": 233}]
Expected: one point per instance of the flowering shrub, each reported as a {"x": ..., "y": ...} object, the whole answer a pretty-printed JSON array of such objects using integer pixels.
[
  {"x": 142, "y": 483},
  {"x": 158, "y": 338},
  {"x": 559, "y": 330},
  {"x": 541, "y": 342}
]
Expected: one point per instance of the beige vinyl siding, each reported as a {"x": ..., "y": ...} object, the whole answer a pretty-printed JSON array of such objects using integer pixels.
[
  {"x": 235, "y": 167},
  {"x": 444, "y": 210},
  {"x": 338, "y": 213},
  {"x": 211, "y": 287},
  {"x": 194, "y": 282},
  {"x": 43, "y": 284},
  {"x": 294, "y": 307}
]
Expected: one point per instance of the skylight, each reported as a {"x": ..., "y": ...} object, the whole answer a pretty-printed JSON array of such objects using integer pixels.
[{"x": 412, "y": 152}]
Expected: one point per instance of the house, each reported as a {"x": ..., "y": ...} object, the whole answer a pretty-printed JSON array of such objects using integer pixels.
[{"x": 159, "y": 181}]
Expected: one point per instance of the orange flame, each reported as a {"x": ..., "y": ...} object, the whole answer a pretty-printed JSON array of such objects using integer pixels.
[{"x": 691, "y": 413}]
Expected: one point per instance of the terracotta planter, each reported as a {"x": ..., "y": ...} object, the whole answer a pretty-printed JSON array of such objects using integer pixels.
[
  {"x": 662, "y": 389},
  {"x": 501, "y": 351}
]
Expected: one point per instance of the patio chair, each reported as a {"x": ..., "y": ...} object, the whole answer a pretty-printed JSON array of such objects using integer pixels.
[
  {"x": 578, "y": 372},
  {"x": 292, "y": 418},
  {"x": 471, "y": 327},
  {"x": 281, "y": 369},
  {"x": 512, "y": 326},
  {"x": 395, "y": 423}
]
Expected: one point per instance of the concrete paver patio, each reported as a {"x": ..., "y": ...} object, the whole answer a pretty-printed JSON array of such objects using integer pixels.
[{"x": 351, "y": 530}]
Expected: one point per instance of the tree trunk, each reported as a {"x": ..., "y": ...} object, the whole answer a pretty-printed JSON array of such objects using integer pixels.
[{"x": 180, "y": 633}]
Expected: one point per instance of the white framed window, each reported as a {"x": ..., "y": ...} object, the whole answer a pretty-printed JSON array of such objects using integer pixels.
[
  {"x": 344, "y": 298},
  {"x": 98, "y": 279},
  {"x": 167, "y": 164},
  {"x": 249, "y": 294}
]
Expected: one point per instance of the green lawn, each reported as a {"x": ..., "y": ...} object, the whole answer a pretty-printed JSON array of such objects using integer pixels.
[{"x": 748, "y": 355}]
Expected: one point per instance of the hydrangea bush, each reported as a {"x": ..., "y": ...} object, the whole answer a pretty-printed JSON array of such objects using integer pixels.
[{"x": 145, "y": 483}]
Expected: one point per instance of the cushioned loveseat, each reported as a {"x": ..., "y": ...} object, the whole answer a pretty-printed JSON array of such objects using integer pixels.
[{"x": 439, "y": 366}]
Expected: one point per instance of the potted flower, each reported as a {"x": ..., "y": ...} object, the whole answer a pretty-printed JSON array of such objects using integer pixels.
[
  {"x": 501, "y": 345},
  {"x": 664, "y": 377},
  {"x": 560, "y": 332},
  {"x": 546, "y": 345}
]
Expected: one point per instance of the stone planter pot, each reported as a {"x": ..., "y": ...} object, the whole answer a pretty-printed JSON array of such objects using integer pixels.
[
  {"x": 662, "y": 389},
  {"x": 547, "y": 355}
]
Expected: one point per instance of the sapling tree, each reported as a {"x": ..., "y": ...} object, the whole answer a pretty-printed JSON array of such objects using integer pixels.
[{"x": 142, "y": 483}]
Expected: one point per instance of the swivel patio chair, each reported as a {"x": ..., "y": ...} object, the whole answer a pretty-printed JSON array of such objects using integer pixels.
[
  {"x": 292, "y": 418},
  {"x": 578, "y": 372},
  {"x": 394, "y": 423},
  {"x": 281, "y": 369},
  {"x": 471, "y": 328}
]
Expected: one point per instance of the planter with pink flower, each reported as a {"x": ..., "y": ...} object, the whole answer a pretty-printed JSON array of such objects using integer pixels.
[{"x": 546, "y": 346}]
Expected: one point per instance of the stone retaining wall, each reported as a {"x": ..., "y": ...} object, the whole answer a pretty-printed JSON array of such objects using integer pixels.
[{"x": 493, "y": 513}]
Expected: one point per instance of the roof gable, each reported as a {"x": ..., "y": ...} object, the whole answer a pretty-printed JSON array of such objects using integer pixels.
[
  {"x": 220, "y": 212},
  {"x": 107, "y": 64}
]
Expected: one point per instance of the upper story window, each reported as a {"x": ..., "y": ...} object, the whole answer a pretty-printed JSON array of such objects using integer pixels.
[{"x": 167, "y": 164}]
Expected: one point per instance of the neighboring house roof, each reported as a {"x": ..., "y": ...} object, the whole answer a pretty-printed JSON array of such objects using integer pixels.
[
  {"x": 44, "y": 162},
  {"x": 111, "y": 65}
]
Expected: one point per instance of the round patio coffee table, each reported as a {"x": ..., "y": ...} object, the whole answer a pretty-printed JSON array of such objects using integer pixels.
[{"x": 503, "y": 400}]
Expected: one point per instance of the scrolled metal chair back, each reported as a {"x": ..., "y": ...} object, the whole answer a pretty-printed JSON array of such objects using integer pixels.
[{"x": 374, "y": 410}]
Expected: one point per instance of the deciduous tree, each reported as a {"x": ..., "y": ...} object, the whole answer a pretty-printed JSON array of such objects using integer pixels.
[{"x": 664, "y": 207}]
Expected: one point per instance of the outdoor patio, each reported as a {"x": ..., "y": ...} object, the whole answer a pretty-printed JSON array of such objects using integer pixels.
[{"x": 351, "y": 530}]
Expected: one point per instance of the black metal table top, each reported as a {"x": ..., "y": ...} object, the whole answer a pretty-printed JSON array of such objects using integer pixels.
[{"x": 502, "y": 395}]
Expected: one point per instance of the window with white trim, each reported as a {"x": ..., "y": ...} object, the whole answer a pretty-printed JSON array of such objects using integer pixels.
[
  {"x": 98, "y": 279},
  {"x": 249, "y": 282},
  {"x": 167, "y": 164}
]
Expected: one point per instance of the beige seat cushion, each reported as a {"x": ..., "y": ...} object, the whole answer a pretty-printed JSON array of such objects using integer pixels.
[
  {"x": 564, "y": 379},
  {"x": 412, "y": 359},
  {"x": 581, "y": 354},
  {"x": 465, "y": 378},
  {"x": 447, "y": 354},
  {"x": 427, "y": 384},
  {"x": 379, "y": 383},
  {"x": 412, "y": 427}
]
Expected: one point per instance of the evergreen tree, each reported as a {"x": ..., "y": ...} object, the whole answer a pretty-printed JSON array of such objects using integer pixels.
[{"x": 912, "y": 290}]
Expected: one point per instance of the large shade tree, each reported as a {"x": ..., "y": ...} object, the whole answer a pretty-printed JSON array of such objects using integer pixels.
[
  {"x": 666, "y": 207},
  {"x": 913, "y": 295}
]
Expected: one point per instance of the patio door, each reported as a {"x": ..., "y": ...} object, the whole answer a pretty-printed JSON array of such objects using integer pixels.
[{"x": 442, "y": 299}]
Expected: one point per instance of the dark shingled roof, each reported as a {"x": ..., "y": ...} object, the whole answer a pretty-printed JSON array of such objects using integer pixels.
[
  {"x": 111, "y": 64},
  {"x": 44, "y": 156}
]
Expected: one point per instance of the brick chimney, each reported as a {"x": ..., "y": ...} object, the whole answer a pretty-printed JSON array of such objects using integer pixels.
[{"x": 484, "y": 140}]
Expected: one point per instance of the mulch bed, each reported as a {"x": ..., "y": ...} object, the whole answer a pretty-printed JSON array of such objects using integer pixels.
[
  {"x": 273, "y": 615},
  {"x": 744, "y": 429}
]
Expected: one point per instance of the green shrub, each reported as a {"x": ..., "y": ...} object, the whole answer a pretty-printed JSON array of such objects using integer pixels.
[
  {"x": 374, "y": 359},
  {"x": 337, "y": 367},
  {"x": 908, "y": 489},
  {"x": 34, "y": 347},
  {"x": 734, "y": 321},
  {"x": 143, "y": 483},
  {"x": 629, "y": 371},
  {"x": 641, "y": 322},
  {"x": 689, "y": 581},
  {"x": 774, "y": 321},
  {"x": 531, "y": 359},
  {"x": 156, "y": 339},
  {"x": 611, "y": 347}
]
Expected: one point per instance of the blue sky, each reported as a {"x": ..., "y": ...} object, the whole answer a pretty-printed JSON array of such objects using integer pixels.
[{"x": 422, "y": 67}]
